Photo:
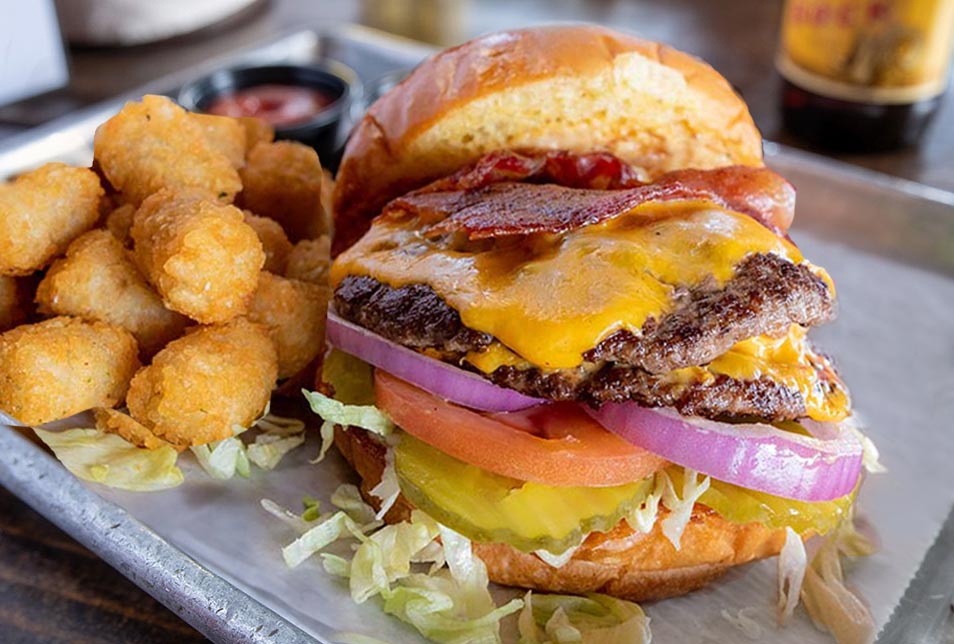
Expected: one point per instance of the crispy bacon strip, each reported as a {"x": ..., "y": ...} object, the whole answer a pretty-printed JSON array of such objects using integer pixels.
[
  {"x": 509, "y": 193},
  {"x": 597, "y": 170}
]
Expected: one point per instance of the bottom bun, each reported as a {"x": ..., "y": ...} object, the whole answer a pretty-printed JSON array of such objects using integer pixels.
[{"x": 622, "y": 562}]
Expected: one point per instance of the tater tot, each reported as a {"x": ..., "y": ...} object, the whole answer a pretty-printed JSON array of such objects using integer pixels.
[
  {"x": 113, "y": 421},
  {"x": 201, "y": 256},
  {"x": 12, "y": 308},
  {"x": 98, "y": 280},
  {"x": 282, "y": 180},
  {"x": 119, "y": 221},
  {"x": 42, "y": 211},
  {"x": 256, "y": 131},
  {"x": 226, "y": 135},
  {"x": 203, "y": 385},
  {"x": 274, "y": 241},
  {"x": 156, "y": 144},
  {"x": 63, "y": 366},
  {"x": 294, "y": 312},
  {"x": 309, "y": 261},
  {"x": 327, "y": 196}
]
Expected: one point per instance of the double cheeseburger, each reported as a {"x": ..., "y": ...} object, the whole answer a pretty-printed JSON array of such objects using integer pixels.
[{"x": 560, "y": 252}]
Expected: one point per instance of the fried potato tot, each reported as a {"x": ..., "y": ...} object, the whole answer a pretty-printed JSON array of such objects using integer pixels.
[
  {"x": 274, "y": 241},
  {"x": 256, "y": 131},
  {"x": 119, "y": 222},
  {"x": 310, "y": 260},
  {"x": 98, "y": 280},
  {"x": 294, "y": 313},
  {"x": 13, "y": 310},
  {"x": 282, "y": 180},
  {"x": 156, "y": 144},
  {"x": 327, "y": 196},
  {"x": 42, "y": 211},
  {"x": 203, "y": 385},
  {"x": 200, "y": 255},
  {"x": 113, "y": 421},
  {"x": 62, "y": 366},
  {"x": 226, "y": 135}
]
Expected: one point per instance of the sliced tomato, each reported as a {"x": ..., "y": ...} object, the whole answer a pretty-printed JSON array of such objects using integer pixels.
[{"x": 554, "y": 444}]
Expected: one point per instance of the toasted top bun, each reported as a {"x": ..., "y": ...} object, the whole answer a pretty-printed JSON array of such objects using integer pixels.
[
  {"x": 622, "y": 562},
  {"x": 581, "y": 88}
]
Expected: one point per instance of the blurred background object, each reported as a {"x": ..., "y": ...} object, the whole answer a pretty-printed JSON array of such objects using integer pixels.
[
  {"x": 134, "y": 22},
  {"x": 740, "y": 38},
  {"x": 32, "y": 60},
  {"x": 864, "y": 75},
  {"x": 441, "y": 22}
]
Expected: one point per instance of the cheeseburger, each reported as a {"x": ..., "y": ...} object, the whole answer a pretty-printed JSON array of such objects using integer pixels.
[{"x": 563, "y": 258}]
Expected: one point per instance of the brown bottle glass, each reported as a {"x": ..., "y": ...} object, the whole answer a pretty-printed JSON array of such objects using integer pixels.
[
  {"x": 846, "y": 126},
  {"x": 863, "y": 75}
]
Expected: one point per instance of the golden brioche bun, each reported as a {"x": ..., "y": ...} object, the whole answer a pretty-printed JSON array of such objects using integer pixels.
[
  {"x": 581, "y": 88},
  {"x": 623, "y": 563}
]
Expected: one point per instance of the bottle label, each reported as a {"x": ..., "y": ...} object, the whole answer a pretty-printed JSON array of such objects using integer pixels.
[{"x": 868, "y": 51}]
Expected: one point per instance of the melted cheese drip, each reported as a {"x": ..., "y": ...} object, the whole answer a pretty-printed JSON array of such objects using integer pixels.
[
  {"x": 790, "y": 361},
  {"x": 550, "y": 298},
  {"x": 787, "y": 360}
]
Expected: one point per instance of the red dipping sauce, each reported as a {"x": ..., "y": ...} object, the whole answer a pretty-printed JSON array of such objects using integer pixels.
[{"x": 280, "y": 105}]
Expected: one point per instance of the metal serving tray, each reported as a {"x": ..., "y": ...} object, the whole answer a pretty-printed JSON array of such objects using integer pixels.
[{"x": 890, "y": 242}]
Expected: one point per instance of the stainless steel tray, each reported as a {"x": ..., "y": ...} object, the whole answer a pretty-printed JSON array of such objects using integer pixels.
[{"x": 839, "y": 206}]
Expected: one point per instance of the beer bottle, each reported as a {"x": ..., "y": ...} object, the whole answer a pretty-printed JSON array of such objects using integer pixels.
[{"x": 863, "y": 75}]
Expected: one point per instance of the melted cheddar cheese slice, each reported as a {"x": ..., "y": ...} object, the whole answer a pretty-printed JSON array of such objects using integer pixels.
[{"x": 550, "y": 298}]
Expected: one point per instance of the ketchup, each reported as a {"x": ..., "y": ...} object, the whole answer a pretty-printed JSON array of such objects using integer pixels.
[{"x": 280, "y": 105}]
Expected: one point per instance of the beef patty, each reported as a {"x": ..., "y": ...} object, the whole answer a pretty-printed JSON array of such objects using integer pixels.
[{"x": 766, "y": 295}]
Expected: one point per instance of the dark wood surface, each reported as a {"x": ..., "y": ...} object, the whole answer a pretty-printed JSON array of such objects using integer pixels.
[{"x": 54, "y": 590}]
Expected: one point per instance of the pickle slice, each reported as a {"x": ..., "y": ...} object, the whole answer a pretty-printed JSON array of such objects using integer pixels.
[
  {"x": 742, "y": 505},
  {"x": 489, "y": 508}
]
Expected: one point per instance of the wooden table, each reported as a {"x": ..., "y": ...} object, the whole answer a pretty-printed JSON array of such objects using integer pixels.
[{"x": 52, "y": 589}]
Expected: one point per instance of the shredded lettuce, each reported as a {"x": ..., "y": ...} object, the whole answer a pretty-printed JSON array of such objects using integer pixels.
[
  {"x": 572, "y": 619},
  {"x": 385, "y": 556},
  {"x": 435, "y": 606},
  {"x": 792, "y": 562},
  {"x": 298, "y": 523},
  {"x": 330, "y": 529},
  {"x": 453, "y": 604},
  {"x": 366, "y": 417},
  {"x": 387, "y": 489},
  {"x": 223, "y": 459},
  {"x": 327, "y": 440},
  {"x": 556, "y": 561},
  {"x": 347, "y": 497},
  {"x": 335, "y": 565},
  {"x": 279, "y": 425},
  {"x": 743, "y": 621},
  {"x": 870, "y": 458},
  {"x": 312, "y": 511},
  {"x": 680, "y": 509},
  {"x": 267, "y": 450},
  {"x": 449, "y": 604},
  {"x": 832, "y": 606},
  {"x": 643, "y": 518},
  {"x": 110, "y": 460}
]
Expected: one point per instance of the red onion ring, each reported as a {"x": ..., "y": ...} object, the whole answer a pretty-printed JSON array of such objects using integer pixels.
[
  {"x": 820, "y": 467},
  {"x": 439, "y": 378}
]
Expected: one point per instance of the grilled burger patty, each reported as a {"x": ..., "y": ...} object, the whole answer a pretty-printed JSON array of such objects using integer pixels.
[{"x": 766, "y": 296}]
